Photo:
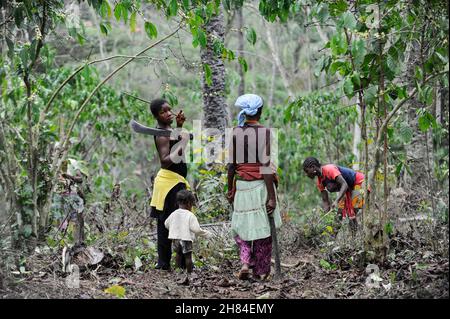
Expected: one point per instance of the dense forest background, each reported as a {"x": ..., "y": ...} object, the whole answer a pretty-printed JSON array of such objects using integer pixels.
[{"x": 360, "y": 83}]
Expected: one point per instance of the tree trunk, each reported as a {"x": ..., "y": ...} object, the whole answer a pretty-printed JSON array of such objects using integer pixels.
[
  {"x": 416, "y": 152},
  {"x": 276, "y": 58},
  {"x": 214, "y": 103},
  {"x": 241, "y": 89},
  {"x": 356, "y": 141}
]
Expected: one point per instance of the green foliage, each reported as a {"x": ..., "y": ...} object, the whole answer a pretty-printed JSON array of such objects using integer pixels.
[
  {"x": 326, "y": 265},
  {"x": 251, "y": 36},
  {"x": 244, "y": 64},
  {"x": 271, "y": 9},
  {"x": 208, "y": 73},
  {"x": 389, "y": 228},
  {"x": 116, "y": 290},
  {"x": 212, "y": 205},
  {"x": 426, "y": 120},
  {"x": 347, "y": 20},
  {"x": 323, "y": 126},
  {"x": 107, "y": 117},
  {"x": 150, "y": 29},
  {"x": 318, "y": 123}
]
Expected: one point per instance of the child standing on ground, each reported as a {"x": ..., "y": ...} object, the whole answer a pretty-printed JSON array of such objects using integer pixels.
[{"x": 183, "y": 226}]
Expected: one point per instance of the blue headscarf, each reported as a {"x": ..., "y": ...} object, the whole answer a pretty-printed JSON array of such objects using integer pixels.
[{"x": 249, "y": 103}]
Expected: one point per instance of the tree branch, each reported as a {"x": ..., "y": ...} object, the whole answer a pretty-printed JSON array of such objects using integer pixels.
[
  {"x": 62, "y": 152},
  {"x": 399, "y": 105},
  {"x": 379, "y": 141}
]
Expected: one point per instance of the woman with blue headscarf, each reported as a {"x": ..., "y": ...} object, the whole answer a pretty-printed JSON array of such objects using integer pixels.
[{"x": 251, "y": 185}]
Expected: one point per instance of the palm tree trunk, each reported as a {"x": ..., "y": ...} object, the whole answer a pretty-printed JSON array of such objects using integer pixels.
[
  {"x": 214, "y": 103},
  {"x": 241, "y": 89}
]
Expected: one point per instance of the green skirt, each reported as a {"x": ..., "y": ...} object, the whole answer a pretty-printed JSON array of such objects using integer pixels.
[{"x": 249, "y": 219}]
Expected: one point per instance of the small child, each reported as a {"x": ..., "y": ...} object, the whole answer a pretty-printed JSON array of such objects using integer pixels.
[{"x": 183, "y": 226}]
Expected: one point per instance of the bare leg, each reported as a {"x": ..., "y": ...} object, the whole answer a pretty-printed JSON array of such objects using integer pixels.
[
  {"x": 188, "y": 260},
  {"x": 178, "y": 259},
  {"x": 189, "y": 266}
]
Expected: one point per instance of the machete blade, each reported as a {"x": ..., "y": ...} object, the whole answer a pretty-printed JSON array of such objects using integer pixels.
[{"x": 142, "y": 129}]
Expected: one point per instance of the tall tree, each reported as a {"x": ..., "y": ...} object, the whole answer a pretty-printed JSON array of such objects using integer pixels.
[
  {"x": 241, "y": 42},
  {"x": 214, "y": 103}
]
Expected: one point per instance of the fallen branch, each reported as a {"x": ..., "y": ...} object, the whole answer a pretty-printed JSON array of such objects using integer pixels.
[{"x": 293, "y": 265}]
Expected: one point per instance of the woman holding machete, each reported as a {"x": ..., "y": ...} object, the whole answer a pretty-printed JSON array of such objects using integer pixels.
[{"x": 171, "y": 178}]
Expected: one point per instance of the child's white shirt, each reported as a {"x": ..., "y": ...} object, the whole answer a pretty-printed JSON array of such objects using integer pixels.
[{"x": 183, "y": 225}]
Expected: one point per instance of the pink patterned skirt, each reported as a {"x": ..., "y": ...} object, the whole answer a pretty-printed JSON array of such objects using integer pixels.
[{"x": 256, "y": 254}]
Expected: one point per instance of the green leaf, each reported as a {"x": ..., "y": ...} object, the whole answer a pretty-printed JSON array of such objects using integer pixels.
[
  {"x": 338, "y": 7},
  {"x": 326, "y": 265},
  {"x": 201, "y": 36},
  {"x": 358, "y": 51},
  {"x": 401, "y": 92},
  {"x": 186, "y": 5},
  {"x": 116, "y": 290},
  {"x": 133, "y": 22},
  {"x": 173, "y": 8},
  {"x": 406, "y": 132},
  {"x": 251, "y": 36},
  {"x": 336, "y": 65},
  {"x": 347, "y": 20},
  {"x": 398, "y": 169},
  {"x": 370, "y": 94},
  {"x": 104, "y": 28},
  {"x": 388, "y": 228},
  {"x": 118, "y": 11},
  {"x": 322, "y": 64},
  {"x": 243, "y": 63},
  {"x": 230, "y": 55},
  {"x": 348, "y": 87},
  {"x": 390, "y": 132},
  {"x": 195, "y": 41},
  {"x": 426, "y": 95},
  {"x": 125, "y": 14},
  {"x": 338, "y": 44},
  {"x": 322, "y": 12},
  {"x": 208, "y": 73},
  {"x": 356, "y": 79},
  {"x": 168, "y": 95},
  {"x": 426, "y": 121},
  {"x": 105, "y": 9},
  {"x": 150, "y": 29},
  {"x": 443, "y": 58}
]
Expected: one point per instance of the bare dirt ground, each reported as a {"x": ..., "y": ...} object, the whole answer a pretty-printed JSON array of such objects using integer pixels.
[
  {"x": 411, "y": 274},
  {"x": 314, "y": 266}
]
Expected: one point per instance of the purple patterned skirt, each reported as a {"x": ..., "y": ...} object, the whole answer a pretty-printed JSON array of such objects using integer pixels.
[{"x": 256, "y": 254}]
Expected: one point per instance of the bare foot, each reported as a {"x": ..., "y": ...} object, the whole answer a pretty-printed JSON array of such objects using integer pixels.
[
  {"x": 244, "y": 273},
  {"x": 265, "y": 277}
]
